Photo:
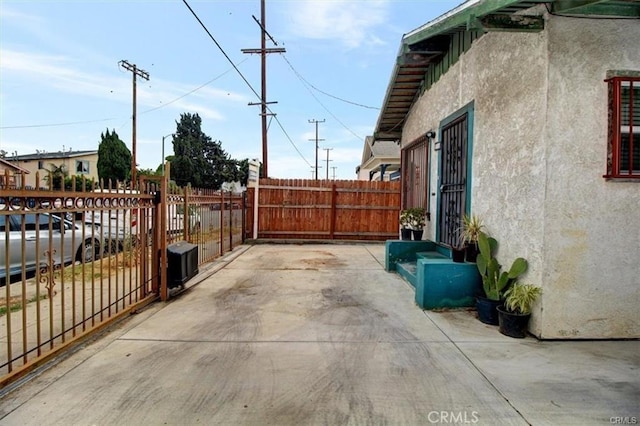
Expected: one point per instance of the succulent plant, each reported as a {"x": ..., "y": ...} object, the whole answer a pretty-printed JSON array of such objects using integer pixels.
[{"x": 496, "y": 282}]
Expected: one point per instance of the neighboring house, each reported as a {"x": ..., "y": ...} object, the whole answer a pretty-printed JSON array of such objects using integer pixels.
[
  {"x": 11, "y": 175},
  {"x": 530, "y": 115},
  {"x": 76, "y": 163},
  {"x": 380, "y": 160}
]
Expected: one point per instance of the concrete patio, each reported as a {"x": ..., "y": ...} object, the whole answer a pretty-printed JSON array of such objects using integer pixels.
[{"x": 321, "y": 334}]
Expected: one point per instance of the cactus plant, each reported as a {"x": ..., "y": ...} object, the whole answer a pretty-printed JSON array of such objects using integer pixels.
[{"x": 496, "y": 282}]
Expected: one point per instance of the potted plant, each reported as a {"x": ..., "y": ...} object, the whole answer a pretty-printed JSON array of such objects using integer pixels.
[
  {"x": 514, "y": 315},
  {"x": 405, "y": 224},
  {"x": 472, "y": 226},
  {"x": 417, "y": 222},
  {"x": 495, "y": 282}
]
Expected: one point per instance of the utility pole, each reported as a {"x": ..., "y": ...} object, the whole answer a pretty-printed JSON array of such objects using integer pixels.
[
  {"x": 334, "y": 171},
  {"x": 263, "y": 96},
  {"x": 328, "y": 149},
  {"x": 137, "y": 72},
  {"x": 314, "y": 121}
]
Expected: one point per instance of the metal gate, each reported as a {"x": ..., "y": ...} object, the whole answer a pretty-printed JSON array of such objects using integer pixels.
[{"x": 453, "y": 180}]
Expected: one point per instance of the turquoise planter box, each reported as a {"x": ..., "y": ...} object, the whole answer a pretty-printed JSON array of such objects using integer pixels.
[{"x": 439, "y": 282}]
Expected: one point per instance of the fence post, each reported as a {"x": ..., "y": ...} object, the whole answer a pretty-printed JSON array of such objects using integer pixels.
[
  {"x": 334, "y": 196},
  {"x": 221, "y": 220},
  {"x": 230, "y": 221}
]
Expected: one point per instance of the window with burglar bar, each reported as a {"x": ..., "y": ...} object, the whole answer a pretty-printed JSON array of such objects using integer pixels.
[{"x": 623, "y": 159}]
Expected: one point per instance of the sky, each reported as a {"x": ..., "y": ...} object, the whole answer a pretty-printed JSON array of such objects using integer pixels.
[{"x": 61, "y": 84}]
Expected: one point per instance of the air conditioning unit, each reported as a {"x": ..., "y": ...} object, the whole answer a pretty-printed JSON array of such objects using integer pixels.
[{"x": 182, "y": 263}]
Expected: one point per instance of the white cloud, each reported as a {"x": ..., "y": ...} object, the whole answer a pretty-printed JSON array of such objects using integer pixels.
[
  {"x": 59, "y": 72},
  {"x": 352, "y": 23}
]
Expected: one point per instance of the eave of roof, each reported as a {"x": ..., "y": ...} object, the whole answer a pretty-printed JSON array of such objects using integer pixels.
[
  {"x": 13, "y": 166},
  {"x": 427, "y": 45},
  {"x": 50, "y": 155}
]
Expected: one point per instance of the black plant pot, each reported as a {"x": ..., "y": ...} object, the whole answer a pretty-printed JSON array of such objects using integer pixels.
[
  {"x": 457, "y": 254},
  {"x": 487, "y": 310},
  {"x": 417, "y": 234},
  {"x": 405, "y": 234},
  {"x": 512, "y": 324},
  {"x": 471, "y": 252}
]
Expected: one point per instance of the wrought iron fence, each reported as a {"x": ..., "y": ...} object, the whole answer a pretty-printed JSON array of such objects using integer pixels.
[{"x": 71, "y": 262}]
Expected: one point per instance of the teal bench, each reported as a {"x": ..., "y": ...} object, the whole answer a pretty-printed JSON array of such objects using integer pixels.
[{"x": 439, "y": 282}]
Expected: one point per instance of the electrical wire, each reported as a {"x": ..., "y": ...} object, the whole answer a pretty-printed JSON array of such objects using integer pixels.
[
  {"x": 323, "y": 92},
  {"x": 304, "y": 83},
  {"x": 116, "y": 118},
  {"x": 192, "y": 91},
  {"x": 220, "y": 48},
  {"x": 290, "y": 140},
  {"x": 70, "y": 123},
  {"x": 243, "y": 77}
]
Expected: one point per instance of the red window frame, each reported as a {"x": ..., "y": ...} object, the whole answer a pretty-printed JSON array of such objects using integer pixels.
[{"x": 615, "y": 166}]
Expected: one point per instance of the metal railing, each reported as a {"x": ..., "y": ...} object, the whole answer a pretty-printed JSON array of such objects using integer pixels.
[{"x": 72, "y": 262}]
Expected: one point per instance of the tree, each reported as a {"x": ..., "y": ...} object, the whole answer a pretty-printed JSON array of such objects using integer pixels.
[
  {"x": 114, "y": 158},
  {"x": 82, "y": 183},
  {"x": 198, "y": 160},
  {"x": 148, "y": 172},
  {"x": 243, "y": 171}
]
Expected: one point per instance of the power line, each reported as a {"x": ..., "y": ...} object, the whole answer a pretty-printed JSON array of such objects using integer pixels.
[
  {"x": 70, "y": 123},
  {"x": 323, "y": 92},
  {"x": 73, "y": 123},
  {"x": 290, "y": 140},
  {"x": 192, "y": 91},
  {"x": 220, "y": 48},
  {"x": 327, "y": 109},
  {"x": 243, "y": 78}
]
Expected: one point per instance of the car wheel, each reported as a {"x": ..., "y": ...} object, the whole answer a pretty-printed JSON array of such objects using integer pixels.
[{"x": 89, "y": 251}]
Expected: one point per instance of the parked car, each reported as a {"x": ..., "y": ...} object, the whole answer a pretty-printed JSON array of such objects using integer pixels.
[
  {"x": 49, "y": 230},
  {"x": 175, "y": 219}
]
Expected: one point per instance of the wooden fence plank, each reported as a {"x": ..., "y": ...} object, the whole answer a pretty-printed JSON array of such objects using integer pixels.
[{"x": 304, "y": 208}]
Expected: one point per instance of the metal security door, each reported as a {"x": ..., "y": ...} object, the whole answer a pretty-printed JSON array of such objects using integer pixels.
[{"x": 453, "y": 180}]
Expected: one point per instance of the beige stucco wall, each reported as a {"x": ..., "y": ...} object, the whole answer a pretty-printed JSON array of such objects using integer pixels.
[
  {"x": 592, "y": 226},
  {"x": 69, "y": 162},
  {"x": 539, "y": 148}
]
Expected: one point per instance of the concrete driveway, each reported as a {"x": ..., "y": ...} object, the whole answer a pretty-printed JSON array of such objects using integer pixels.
[{"x": 321, "y": 334}]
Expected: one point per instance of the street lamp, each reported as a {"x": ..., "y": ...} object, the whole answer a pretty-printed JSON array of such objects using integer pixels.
[{"x": 163, "y": 159}]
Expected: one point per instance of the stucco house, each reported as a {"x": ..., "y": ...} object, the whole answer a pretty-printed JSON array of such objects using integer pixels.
[
  {"x": 527, "y": 114},
  {"x": 76, "y": 163},
  {"x": 380, "y": 160},
  {"x": 11, "y": 175}
]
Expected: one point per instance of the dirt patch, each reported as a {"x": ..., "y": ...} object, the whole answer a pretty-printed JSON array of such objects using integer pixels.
[{"x": 328, "y": 259}]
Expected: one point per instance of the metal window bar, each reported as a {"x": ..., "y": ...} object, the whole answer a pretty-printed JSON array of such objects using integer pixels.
[{"x": 624, "y": 128}]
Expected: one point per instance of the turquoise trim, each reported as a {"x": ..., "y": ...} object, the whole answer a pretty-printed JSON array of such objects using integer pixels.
[
  {"x": 429, "y": 178},
  {"x": 439, "y": 282},
  {"x": 469, "y": 110}
]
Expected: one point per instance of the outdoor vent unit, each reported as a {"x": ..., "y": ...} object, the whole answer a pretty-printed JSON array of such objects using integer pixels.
[{"x": 182, "y": 263}]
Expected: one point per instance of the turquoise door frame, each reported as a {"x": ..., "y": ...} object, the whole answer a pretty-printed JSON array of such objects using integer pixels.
[{"x": 469, "y": 111}]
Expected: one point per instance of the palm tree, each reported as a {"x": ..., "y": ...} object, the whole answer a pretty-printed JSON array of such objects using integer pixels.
[{"x": 55, "y": 176}]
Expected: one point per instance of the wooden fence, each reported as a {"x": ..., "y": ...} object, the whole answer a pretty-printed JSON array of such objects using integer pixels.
[{"x": 320, "y": 209}]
